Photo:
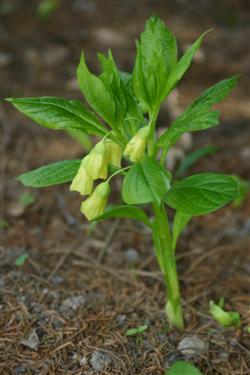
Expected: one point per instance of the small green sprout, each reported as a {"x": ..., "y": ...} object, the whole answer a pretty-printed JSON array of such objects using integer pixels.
[
  {"x": 26, "y": 199},
  {"x": 21, "y": 259},
  {"x": 224, "y": 318},
  {"x": 183, "y": 368},
  {"x": 123, "y": 114},
  {"x": 137, "y": 330}
]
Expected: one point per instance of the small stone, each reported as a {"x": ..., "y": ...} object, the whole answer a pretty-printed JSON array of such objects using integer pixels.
[
  {"x": 73, "y": 303},
  {"x": 83, "y": 361},
  {"x": 31, "y": 341},
  {"x": 245, "y": 153},
  {"x": 223, "y": 356},
  {"x": 20, "y": 369},
  {"x": 131, "y": 255},
  {"x": 57, "y": 280},
  {"x": 5, "y": 59},
  {"x": 100, "y": 360},
  {"x": 120, "y": 320},
  {"x": 192, "y": 346}
]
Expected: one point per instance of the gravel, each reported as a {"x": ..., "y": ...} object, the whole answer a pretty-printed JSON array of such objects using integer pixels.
[
  {"x": 100, "y": 360},
  {"x": 192, "y": 346}
]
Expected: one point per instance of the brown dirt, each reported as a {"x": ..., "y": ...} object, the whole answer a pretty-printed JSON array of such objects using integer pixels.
[{"x": 64, "y": 251}]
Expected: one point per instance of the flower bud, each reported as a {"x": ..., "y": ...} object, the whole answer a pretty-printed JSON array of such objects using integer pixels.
[
  {"x": 82, "y": 182},
  {"x": 136, "y": 146},
  {"x": 114, "y": 153},
  {"x": 96, "y": 203},
  {"x": 97, "y": 165}
]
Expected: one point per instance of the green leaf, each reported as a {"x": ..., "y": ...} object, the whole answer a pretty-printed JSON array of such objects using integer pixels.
[
  {"x": 193, "y": 157},
  {"x": 96, "y": 93},
  {"x": 202, "y": 193},
  {"x": 198, "y": 116},
  {"x": 224, "y": 318},
  {"x": 184, "y": 63},
  {"x": 59, "y": 114},
  {"x": 52, "y": 174},
  {"x": 145, "y": 182},
  {"x": 156, "y": 58},
  {"x": 183, "y": 368},
  {"x": 157, "y": 40},
  {"x": 21, "y": 259},
  {"x": 180, "y": 221},
  {"x": 137, "y": 330},
  {"x": 188, "y": 122},
  {"x": 130, "y": 212},
  {"x": 26, "y": 199}
]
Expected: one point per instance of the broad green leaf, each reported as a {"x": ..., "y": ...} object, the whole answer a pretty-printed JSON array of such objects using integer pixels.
[
  {"x": 96, "y": 93},
  {"x": 130, "y": 212},
  {"x": 183, "y": 368},
  {"x": 52, "y": 174},
  {"x": 26, "y": 199},
  {"x": 198, "y": 115},
  {"x": 202, "y": 193},
  {"x": 126, "y": 108},
  {"x": 193, "y": 157},
  {"x": 156, "y": 58},
  {"x": 157, "y": 40},
  {"x": 184, "y": 63},
  {"x": 137, "y": 330},
  {"x": 145, "y": 182},
  {"x": 224, "y": 318},
  {"x": 139, "y": 81},
  {"x": 59, "y": 114},
  {"x": 180, "y": 221}
]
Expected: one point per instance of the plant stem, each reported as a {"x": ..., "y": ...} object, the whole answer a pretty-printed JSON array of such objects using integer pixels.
[
  {"x": 166, "y": 258},
  {"x": 151, "y": 140}
]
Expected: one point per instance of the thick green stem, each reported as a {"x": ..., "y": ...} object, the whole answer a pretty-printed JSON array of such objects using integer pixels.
[{"x": 166, "y": 258}]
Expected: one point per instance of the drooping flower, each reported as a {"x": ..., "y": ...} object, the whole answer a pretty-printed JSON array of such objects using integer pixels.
[
  {"x": 136, "y": 146},
  {"x": 114, "y": 152},
  {"x": 97, "y": 165},
  {"x": 83, "y": 181},
  {"x": 95, "y": 204}
]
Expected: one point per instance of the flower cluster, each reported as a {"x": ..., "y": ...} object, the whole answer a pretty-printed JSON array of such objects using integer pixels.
[{"x": 94, "y": 166}]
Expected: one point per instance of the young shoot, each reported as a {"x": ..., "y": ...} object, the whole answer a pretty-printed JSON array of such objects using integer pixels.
[{"x": 122, "y": 112}]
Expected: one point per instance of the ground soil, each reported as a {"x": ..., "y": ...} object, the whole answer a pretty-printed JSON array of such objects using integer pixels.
[{"x": 67, "y": 257}]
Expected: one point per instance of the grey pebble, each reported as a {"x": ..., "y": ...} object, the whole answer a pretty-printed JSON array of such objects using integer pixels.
[
  {"x": 192, "y": 346},
  {"x": 31, "y": 341},
  {"x": 100, "y": 360},
  {"x": 73, "y": 303},
  {"x": 131, "y": 255}
]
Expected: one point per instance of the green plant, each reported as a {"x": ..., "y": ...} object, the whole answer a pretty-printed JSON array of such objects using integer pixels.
[
  {"x": 129, "y": 105},
  {"x": 224, "y": 318},
  {"x": 183, "y": 368}
]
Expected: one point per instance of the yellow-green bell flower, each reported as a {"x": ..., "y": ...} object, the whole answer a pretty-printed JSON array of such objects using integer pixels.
[
  {"x": 114, "y": 153},
  {"x": 95, "y": 204},
  {"x": 83, "y": 181},
  {"x": 136, "y": 146},
  {"x": 97, "y": 165}
]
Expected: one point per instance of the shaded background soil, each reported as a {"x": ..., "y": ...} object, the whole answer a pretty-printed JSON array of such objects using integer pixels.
[{"x": 73, "y": 301}]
